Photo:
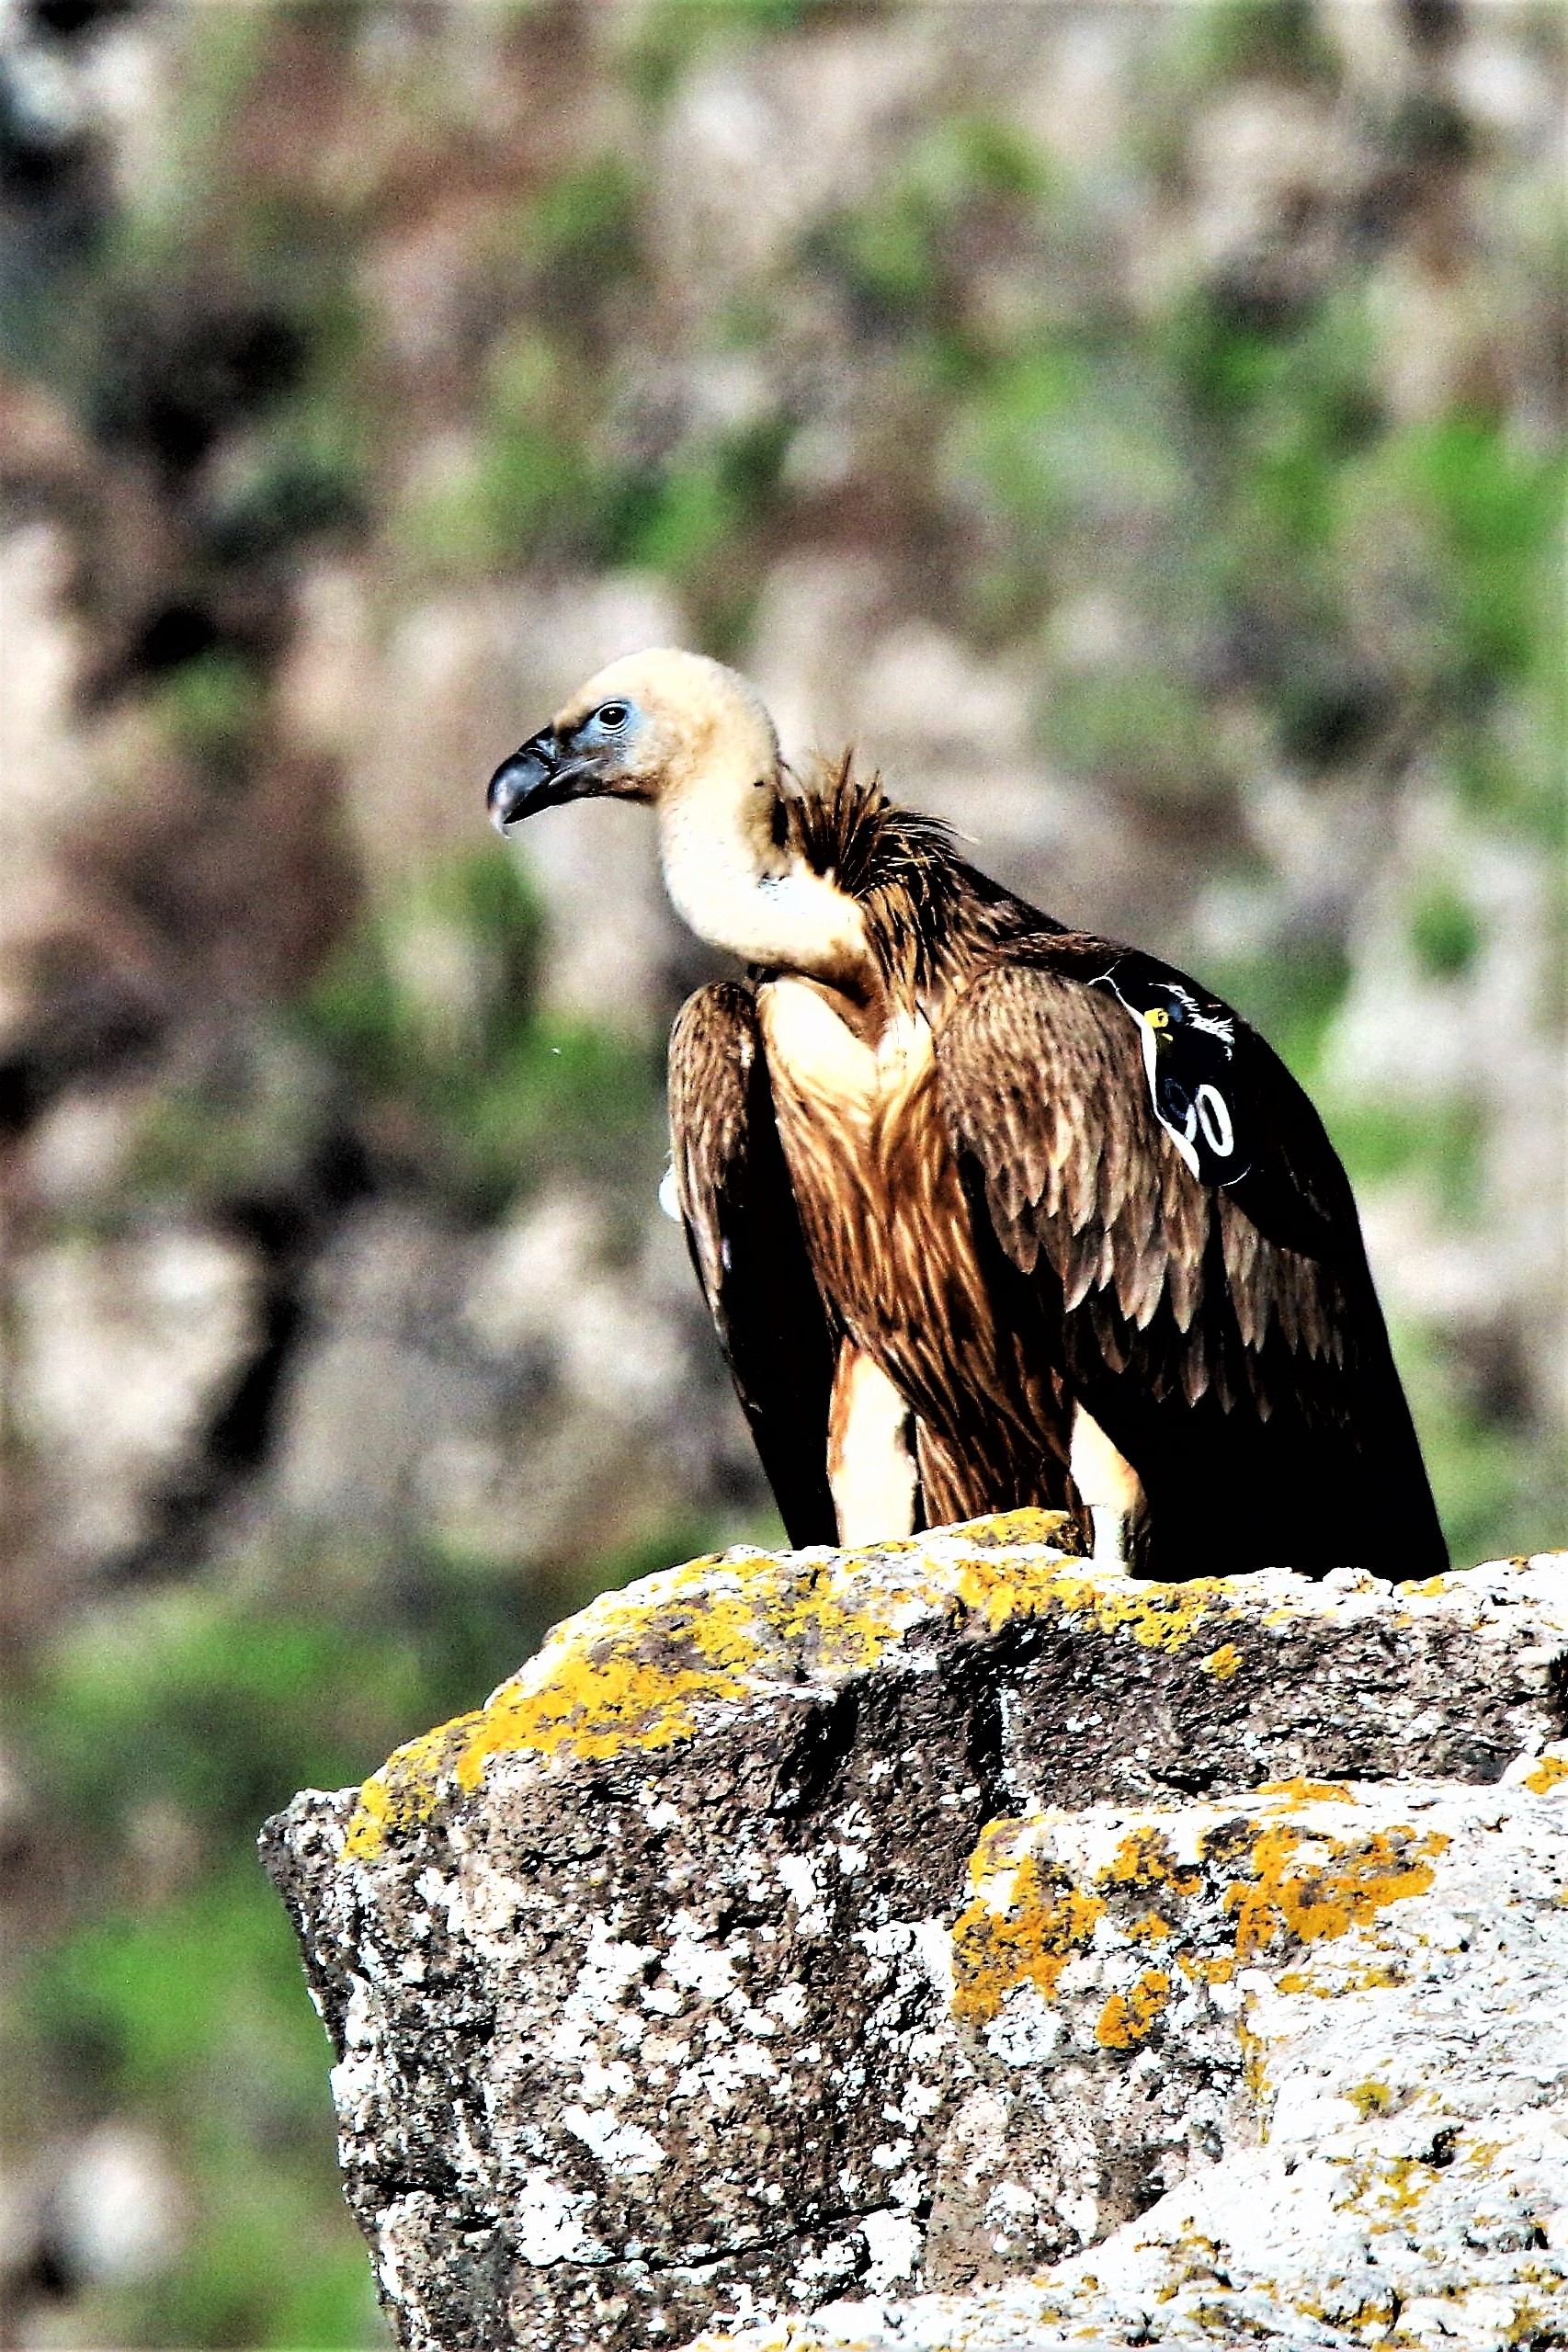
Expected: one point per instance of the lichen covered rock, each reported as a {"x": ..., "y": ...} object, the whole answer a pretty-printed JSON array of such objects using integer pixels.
[{"x": 947, "y": 1944}]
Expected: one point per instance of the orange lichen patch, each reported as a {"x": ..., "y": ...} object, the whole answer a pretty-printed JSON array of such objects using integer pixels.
[
  {"x": 1309, "y": 1792},
  {"x": 1549, "y": 1774},
  {"x": 1128, "y": 2016},
  {"x": 1272, "y": 1882},
  {"x": 1144, "y": 1858},
  {"x": 1221, "y": 1663},
  {"x": 1204, "y": 1969},
  {"x": 1046, "y": 1919},
  {"x": 1354, "y": 1879}
]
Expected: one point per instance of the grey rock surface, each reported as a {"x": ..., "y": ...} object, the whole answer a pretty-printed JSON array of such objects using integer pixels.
[{"x": 948, "y": 1945}]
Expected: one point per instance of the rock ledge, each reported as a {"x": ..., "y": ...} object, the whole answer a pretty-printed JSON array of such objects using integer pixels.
[{"x": 946, "y": 1945}]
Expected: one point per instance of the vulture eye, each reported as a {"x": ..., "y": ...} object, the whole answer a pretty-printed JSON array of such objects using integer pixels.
[
  {"x": 1157, "y": 1018},
  {"x": 612, "y": 715}
]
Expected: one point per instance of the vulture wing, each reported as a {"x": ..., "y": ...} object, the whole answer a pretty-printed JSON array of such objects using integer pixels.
[
  {"x": 1166, "y": 1192},
  {"x": 745, "y": 1238}
]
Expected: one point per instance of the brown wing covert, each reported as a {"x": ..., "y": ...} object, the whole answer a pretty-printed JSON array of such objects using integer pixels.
[{"x": 1225, "y": 1335}]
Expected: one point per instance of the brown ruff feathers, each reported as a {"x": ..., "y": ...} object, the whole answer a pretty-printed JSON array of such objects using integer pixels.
[{"x": 930, "y": 918}]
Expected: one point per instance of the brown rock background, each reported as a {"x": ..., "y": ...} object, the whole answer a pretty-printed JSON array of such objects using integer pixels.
[{"x": 1140, "y": 428}]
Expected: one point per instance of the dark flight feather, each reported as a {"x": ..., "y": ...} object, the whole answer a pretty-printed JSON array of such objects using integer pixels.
[{"x": 745, "y": 1239}]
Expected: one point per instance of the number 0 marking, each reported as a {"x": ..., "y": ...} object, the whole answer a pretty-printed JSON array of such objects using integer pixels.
[{"x": 1214, "y": 1118}]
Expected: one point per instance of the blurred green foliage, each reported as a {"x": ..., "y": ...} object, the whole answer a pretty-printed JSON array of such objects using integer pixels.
[
  {"x": 428, "y": 1016},
  {"x": 419, "y": 1044},
  {"x": 1445, "y": 932},
  {"x": 1235, "y": 37},
  {"x": 211, "y": 707},
  {"x": 904, "y": 249},
  {"x": 163, "y": 1733},
  {"x": 1291, "y": 998},
  {"x": 669, "y": 35},
  {"x": 581, "y": 228}
]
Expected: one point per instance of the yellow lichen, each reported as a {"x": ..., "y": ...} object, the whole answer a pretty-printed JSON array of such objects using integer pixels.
[
  {"x": 1375, "y": 1979},
  {"x": 632, "y": 1668},
  {"x": 998, "y": 1591},
  {"x": 1549, "y": 1774},
  {"x": 1128, "y": 2016},
  {"x": 1402, "y": 2183},
  {"x": 1221, "y": 1663},
  {"x": 626, "y": 1672},
  {"x": 1309, "y": 1792},
  {"x": 1369, "y": 2098},
  {"x": 593, "y": 1706},
  {"x": 1158, "y": 1617},
  {"x": 1327, "y": 1985},
  {"x": 1254, "y": 2058},
  {"x": 1144, "y": 1858},
  {"x": 1005, "y": 1529},
  {"x": 1028, "y": 1938},
  {"x": 1275, "y": 1882},
  {"x": 1205, "y": 1969},
  {"x": 1355, "y": 1879}
]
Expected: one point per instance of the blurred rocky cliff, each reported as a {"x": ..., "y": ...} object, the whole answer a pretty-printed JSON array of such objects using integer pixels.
[{"x": 1138, "y": 430}]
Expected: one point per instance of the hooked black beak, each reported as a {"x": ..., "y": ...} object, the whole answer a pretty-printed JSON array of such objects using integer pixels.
[{"x": 533, "y": 779}]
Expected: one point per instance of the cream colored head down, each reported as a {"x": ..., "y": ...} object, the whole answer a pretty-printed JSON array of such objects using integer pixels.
[{"x": 694, "y": 741}]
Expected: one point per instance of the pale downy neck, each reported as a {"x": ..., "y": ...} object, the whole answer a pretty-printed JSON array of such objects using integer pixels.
[{"x": 738, "y": 891}]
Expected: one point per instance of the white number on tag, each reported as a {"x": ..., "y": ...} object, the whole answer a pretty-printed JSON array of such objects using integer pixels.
[{"x": 1214, "y": 1118}]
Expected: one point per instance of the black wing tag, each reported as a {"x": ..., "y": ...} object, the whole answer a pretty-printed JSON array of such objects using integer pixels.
[{"x": 1187, "y": 1047}]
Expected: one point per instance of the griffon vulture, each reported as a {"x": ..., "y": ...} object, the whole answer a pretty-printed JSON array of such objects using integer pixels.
[{"x": 988, "y": 1211}]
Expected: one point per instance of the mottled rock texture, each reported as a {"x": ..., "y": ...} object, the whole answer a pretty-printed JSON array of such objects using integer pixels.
[{"x": 948, "y": 1945}]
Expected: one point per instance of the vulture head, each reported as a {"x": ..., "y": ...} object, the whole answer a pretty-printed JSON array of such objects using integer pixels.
[
  {"x": 693, "y": 741},
  {"x": 645, "y": 729}
]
